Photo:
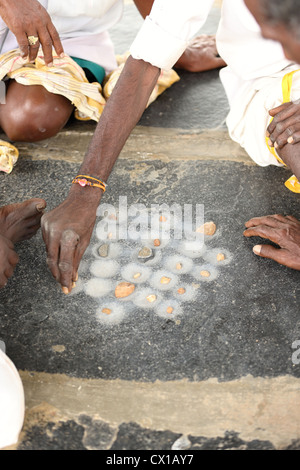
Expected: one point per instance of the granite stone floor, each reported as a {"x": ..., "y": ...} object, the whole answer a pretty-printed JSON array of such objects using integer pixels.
[{"x": 220, "y": 371}]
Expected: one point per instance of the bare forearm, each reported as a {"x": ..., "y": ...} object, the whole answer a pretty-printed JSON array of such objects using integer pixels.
[{"x": 122, "y": 112}]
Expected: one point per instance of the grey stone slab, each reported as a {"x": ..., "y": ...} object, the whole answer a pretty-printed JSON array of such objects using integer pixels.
[{"x": 242, "y": 322}]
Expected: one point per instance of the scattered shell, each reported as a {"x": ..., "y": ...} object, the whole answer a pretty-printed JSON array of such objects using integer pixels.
[
  {"x": 170, "y": 310},
  {"x": 124, "y": 289},
  {"x": 183, "y": 443},
  {"x": 165, "y": 280},
  {"x": 106, "y": 310},
  {"x": 208, "y": 228},
  {"x": 151, "y": 298},
  {"x": 205, "y": 273},
  {"x": 156, "y": 242},
  {"x": 220, "y": 257},
  {"x": 145, "y": 254},
  {"x": 103, "y": 251},
  {"x": 181, "y": 290},
  {"x": 136, "y": 275}
]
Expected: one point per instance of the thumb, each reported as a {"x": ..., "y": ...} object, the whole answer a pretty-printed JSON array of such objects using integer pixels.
[{"x": 280, "y": 255}]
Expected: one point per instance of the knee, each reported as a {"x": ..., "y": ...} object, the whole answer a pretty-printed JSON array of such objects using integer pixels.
[
  {"x": 32, "y": 114},
  {"x": 33, "y": 125}
]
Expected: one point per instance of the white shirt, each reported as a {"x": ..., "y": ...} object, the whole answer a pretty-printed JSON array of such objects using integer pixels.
[{"x": 171, "y": 25}]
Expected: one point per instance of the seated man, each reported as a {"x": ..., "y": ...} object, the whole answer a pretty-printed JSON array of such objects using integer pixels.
[
  {"x": 280, "y": 21},
  {"x": 33, "y": 112}
]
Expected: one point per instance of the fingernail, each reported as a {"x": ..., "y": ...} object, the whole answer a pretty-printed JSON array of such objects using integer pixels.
[
  {"x": 76, "y": 277},
  {"x": 290, "y": 139},
  {"x": 62, "y": 55},
  {"x": 65, "y": 290},
  {"x": 257, "y": 249},
  {"x": 73, "y": 285},
  {"x": 24, "y": 59},
  {"x": 270, "y": 143},
  {"x": 267, "y": 134},
  {"x": 50, "y": 64},
  {"x": 276, "y": 145},
  {"x": 40, "y": 208}
]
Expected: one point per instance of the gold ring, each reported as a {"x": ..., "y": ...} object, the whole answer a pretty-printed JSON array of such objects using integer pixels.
[{"x": 32, "y": 40}]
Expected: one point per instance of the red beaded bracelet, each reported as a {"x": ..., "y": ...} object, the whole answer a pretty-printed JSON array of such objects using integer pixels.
[{"x": 83, "y": 180}]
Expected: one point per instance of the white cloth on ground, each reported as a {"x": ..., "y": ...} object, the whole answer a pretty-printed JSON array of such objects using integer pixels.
[{"x": 12, "y": 402}]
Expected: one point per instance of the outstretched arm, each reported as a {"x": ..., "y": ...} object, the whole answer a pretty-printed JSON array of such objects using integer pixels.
[{"x": 68, "y": 228}]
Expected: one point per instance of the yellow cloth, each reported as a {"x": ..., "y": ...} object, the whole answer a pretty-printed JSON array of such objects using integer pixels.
[
  {"x": 165, "y": 80},
  {"x": 292, "y": 183},
  {"x": 8, "y": 156},
  {"x": 65, "y": 78}
]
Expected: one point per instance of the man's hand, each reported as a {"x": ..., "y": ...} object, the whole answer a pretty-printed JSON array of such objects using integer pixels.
[
  {"x": 282, "y": 230},
  {"x": 285, "y": 127},
  {"x": 201, "y": 55},
  {"x": 29, "y": 18},
  {"x": 67, "y": 230},
  {"x": 8, "y": 260}
]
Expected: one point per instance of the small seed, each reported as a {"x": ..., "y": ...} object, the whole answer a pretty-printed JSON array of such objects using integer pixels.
[
  {"x": 151, "y": 298},
  {"x": 205, "y": 273},
  {"x": 170, "y": 310},
  {"x": 136, "y": 275},
  {"x": 106, "y": 310},
  {"x": 178, "y": 266},
  {"x": 163, "y": 218},
  {"x": 165, "y": 280},
  {"x": 220, "y": 257},
  {"x": 181, "y": 290},
  {"x": 156, "y": 242}
]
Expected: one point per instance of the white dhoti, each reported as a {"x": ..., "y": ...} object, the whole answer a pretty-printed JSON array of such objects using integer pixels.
[{"x": 12, "y": 402}]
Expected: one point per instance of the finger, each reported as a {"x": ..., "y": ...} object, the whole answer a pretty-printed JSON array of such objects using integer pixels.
[
  {"x": 263, "y": 231},
  {"x": 68, "y": 245},
  {"x": 293, "y": 219},
  {"x": 55, "y": 40},
  {"x": 285, "y": 131},
  {"x": 287, "y": 111},
  {"x": 46, "y": 43},
  {"x": 280, "y": 108},
  {"x": 33, "y": 48},
  {"x": 280, "y": 255},
  {"x": 269, "y": 220},
  {"x": 294, "y": 138},
  {"x": 52, "y": 247},
  {"x": 13, "y": 258},
  {"x": 3, "y": 280},
  {"x": 23, "y": 44}
]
